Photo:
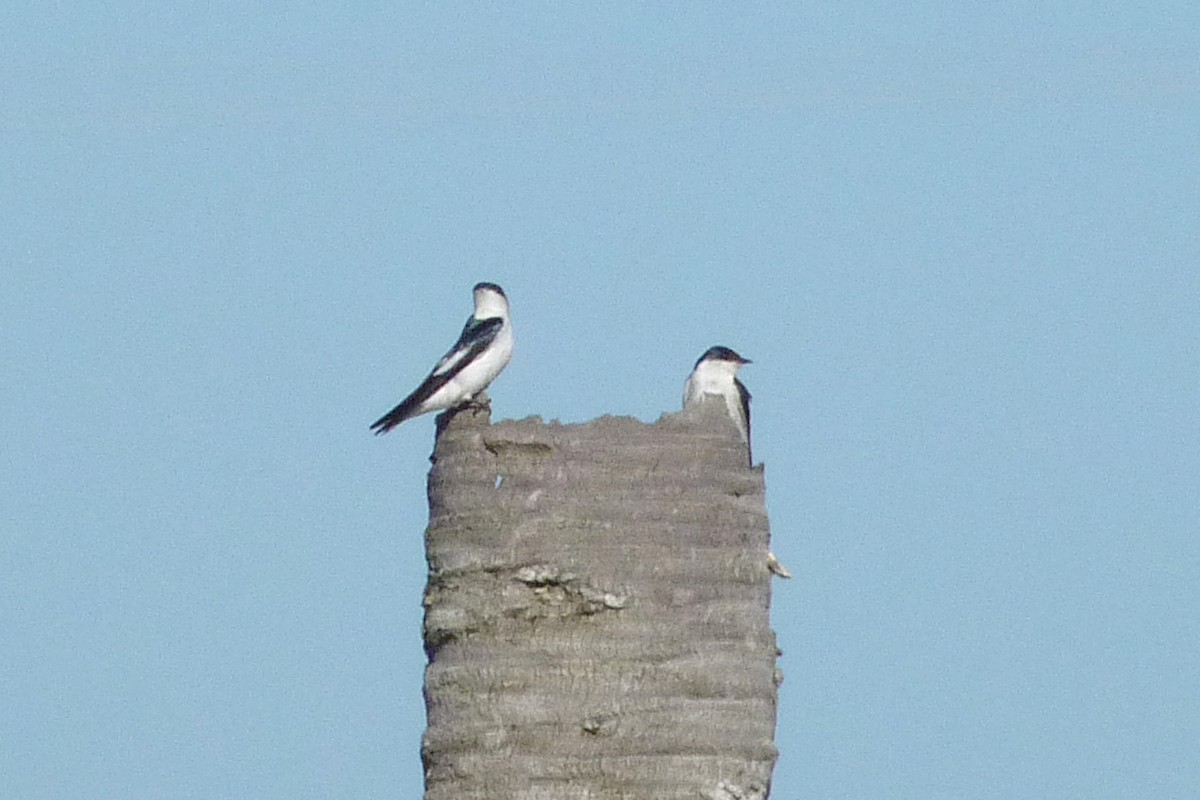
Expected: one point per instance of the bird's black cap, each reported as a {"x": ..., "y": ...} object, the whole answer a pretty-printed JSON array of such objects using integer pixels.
[
  {"x": 492, "y": 286},
  {"x": 721, "y": 353}
]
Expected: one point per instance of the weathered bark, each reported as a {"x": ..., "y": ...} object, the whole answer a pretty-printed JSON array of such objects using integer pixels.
[{"x": 597, "y": 612}]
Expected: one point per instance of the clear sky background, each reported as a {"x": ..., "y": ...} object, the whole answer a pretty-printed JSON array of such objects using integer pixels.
[{"x": 961, "y": 243}]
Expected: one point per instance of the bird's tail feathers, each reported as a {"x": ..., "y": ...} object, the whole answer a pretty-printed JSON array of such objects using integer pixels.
[{"x": 400, "y": 413}]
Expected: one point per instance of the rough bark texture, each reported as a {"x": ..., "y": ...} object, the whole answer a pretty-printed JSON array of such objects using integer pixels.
[{"x": 597, "y": 612}]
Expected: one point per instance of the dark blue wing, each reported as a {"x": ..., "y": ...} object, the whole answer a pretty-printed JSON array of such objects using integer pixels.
[
  {"x": 476, "y": 335},
  {"x": 744, "y": 394}
]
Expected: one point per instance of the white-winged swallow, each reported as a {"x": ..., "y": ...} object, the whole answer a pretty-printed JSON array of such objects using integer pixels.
[
  {"x": 715, "y": 373},
  {"x": 483, "y": 349}
]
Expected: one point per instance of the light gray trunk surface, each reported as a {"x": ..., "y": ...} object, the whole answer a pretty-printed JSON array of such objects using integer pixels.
[{"x": 597, "y": 612}]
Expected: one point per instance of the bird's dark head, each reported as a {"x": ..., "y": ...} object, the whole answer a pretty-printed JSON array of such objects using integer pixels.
[
  {"x": 490, "y": 287},
  {"x": 721, "y": 353}
]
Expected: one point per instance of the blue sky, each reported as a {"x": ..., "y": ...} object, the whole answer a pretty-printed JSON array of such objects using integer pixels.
[{"x": 959, "y": 242}]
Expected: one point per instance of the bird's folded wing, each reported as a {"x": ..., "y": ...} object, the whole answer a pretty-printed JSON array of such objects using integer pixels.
[
  {"x": 744, "y": 394},
  {"x": 476, "y": 335}
]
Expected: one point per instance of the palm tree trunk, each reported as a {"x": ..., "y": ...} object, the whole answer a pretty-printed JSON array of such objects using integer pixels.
[{"x": 597, "y": 612}]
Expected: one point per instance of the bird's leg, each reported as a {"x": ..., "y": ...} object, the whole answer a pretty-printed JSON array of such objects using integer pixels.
[{"x": 479, "y": 404}]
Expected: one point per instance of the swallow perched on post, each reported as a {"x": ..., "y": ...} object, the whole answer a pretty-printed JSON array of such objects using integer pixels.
[
  {"x": 715, "y": 373},
  {"x": 483, "y": 349}
]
